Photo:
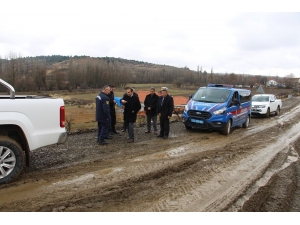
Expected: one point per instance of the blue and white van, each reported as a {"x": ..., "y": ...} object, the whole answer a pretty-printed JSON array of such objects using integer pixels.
[{"x": 218, "y": 107}]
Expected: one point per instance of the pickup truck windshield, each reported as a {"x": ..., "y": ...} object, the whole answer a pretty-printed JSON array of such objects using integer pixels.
[
  {"x": 211, "y": 95},
  {"x": 260, "y": 98}
]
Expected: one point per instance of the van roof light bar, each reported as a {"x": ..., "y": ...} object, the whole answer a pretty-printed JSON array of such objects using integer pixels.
[{"x": 220, "y": 85}]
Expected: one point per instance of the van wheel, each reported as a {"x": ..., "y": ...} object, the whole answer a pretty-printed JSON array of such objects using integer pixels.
[
  {"x": 246, "y": 124},
  {"x": 277, "y": 112},
  {"x": 188, "y": 127},
  {"x": 11, "y": 159},
  {"x": 227, "y": 127},
  {"x": 268, "y": 113}
]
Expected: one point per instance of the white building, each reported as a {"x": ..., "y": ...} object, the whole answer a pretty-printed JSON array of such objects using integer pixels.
[{"x": 271, "y": 83}]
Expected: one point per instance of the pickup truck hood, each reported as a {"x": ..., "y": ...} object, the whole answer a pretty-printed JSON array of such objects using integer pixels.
[
  {"x": 204, "y": 106},
  {"x": 260, "y": 103}
]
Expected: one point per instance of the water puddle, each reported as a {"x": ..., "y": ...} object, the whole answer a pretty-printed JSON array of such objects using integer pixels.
[
  {"x": 77, "y": 180},
  {"x": 118, "y": 169},
  {"x": 177, "y": 151}
]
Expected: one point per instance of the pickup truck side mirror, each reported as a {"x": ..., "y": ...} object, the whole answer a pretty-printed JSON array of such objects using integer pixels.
[{"x": 190, "y": 97}]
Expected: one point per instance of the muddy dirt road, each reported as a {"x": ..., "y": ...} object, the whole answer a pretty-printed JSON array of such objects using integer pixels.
[{"x": 253, "y": 169}]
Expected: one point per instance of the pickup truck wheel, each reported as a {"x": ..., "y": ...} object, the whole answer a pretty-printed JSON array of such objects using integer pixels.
[
  {"x": 268, "y": 113},
  {"x": 277, "y": 111},
  {"x": 227, "y": 128},
  {"x": 11, "y": 159},
  {"x": 246, "y": 124}
]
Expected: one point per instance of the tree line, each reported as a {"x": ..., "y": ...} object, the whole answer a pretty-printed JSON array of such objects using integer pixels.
[{"x": 58, "y": 72}]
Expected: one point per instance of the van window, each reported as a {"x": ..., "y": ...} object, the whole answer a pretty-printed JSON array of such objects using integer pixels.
[
  {"x": 235, "y": 96},
  {"x": 245, "y": 96},
  {"x": 211, "y": 95}
]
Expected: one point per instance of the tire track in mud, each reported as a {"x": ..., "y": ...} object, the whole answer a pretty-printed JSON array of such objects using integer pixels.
[
  {"x": 187, "y": 174},
  {"x": 198, "y": 195},
  {"x": 280, "y": 191},
  {"x": 149, "y": 170},
  {"x": 221, "y": 202}
]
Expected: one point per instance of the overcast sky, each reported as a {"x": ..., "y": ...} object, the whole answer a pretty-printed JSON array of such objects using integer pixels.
[{"x": 256, "y": 37}]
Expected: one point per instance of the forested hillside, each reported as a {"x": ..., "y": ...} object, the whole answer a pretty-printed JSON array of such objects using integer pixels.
[{"x": 73, "y": 72}]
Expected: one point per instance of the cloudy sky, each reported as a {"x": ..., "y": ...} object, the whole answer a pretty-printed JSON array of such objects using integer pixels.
[{"x": 248, "y": 37}]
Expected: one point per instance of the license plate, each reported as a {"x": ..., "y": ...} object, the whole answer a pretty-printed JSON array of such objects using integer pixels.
[{"x": 197, "y": 121}]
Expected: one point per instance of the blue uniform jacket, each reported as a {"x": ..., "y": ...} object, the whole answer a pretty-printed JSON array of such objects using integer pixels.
[{"x": 102, "y": 108}]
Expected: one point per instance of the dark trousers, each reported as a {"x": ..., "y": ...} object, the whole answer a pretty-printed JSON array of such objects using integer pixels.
[
  {"x": 154, "y": 119},
  {"x": 103, "y": 129},
  {"x": 130, "y": 127},
  {"x": 125, "y": 125},
  {"x": 164, "y": 126},
  {"x": 113, "y": 121}
]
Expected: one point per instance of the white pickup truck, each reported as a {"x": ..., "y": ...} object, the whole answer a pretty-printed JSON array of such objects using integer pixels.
[
  {"x": 265, "y": 104},
  {"x": 27, "y": 123}
]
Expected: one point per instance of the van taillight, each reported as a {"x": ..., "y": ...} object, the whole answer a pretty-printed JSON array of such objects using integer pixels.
[{"x": 62, "y": 116}]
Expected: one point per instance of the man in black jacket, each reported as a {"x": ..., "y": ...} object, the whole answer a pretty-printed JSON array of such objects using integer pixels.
[
  {"x": 103, "y": 114},
  {"x": 112, "y": 104},
  {"x": 124, "y": 129},
  {"x": 151, "y": 110},
  {"x": 165, "y": 110},
  {"x": 132, "y": 107}
]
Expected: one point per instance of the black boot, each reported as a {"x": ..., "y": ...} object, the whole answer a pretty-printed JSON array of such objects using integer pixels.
[
  {"x": 102, "y": 142},
  {"x": 108, "y": 137}
]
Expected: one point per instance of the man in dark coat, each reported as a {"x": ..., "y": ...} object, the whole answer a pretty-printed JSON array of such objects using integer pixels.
[
  {"x": 151, "y": 110},
  {"x": 165, "y": 109},
  {"x": 103, "y": 115},
  {"x": 124, "y": 129},
  {"x": 112, "y": 104},
  {"x": 132, "y": 107}
]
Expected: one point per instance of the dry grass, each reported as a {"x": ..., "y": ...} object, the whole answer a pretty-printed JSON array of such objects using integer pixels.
[{"x": 83, "y": 118}]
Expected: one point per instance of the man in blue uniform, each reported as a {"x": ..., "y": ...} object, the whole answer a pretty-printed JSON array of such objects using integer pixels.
[
  {"x": 112, "y": 104},
  {"x": 103, "y": 114}
]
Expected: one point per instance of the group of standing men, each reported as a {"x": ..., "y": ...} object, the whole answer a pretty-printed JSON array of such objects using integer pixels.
[
  {"x": 162, "y": 106},
  {"x": 155, "y": 105}
]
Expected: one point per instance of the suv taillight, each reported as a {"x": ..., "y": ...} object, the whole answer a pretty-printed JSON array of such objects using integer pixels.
[{"x": 62, "y": 116}]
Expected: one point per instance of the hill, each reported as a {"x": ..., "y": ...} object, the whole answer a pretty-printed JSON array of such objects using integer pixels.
[{"x": 58, "y": 72}]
